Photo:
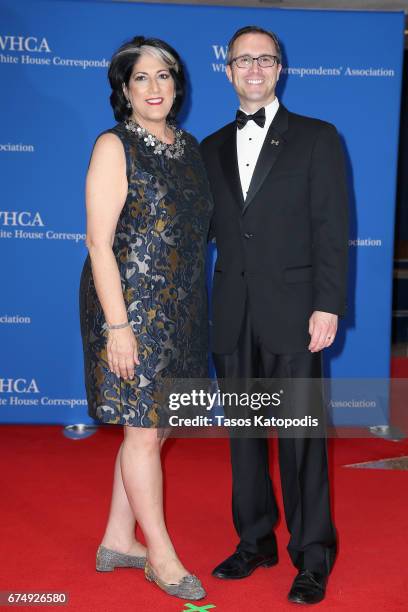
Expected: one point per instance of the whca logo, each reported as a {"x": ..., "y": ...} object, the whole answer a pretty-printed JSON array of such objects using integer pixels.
[
  {"x": 18, "y": 385},
  {"x": 220, "y": 55},
  {"x": 24, "y": 43},
  {"x": 23, "y": 218}
]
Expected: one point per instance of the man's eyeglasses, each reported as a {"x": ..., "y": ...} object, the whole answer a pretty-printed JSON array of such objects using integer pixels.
[{"x": 264, "y": 61}]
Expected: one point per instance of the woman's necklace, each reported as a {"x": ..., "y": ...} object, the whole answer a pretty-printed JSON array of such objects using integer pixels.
[{"x": 174, "y": 150}]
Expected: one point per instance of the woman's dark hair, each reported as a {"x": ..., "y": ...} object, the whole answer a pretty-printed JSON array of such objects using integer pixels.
[{"x": 121, "y": 67}]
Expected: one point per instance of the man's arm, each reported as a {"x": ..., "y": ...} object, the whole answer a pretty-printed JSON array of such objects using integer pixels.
[
  {"x": 204, "y": 146},
  {"x": 329, "y": 214}
]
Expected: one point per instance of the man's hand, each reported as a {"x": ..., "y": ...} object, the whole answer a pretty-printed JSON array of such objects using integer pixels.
[{"x": 323, "y": 329}]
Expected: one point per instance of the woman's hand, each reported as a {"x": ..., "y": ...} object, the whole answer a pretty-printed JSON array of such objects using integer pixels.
[{"x": 122, "y": 352}]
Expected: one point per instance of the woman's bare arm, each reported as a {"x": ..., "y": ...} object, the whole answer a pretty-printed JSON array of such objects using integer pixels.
[{"x": 106, "y": 190}]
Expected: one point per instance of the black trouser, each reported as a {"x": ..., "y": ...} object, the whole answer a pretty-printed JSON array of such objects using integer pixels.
[{"x": 302, "y": 462}]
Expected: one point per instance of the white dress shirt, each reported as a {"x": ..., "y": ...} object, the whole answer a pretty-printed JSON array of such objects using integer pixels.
[{"x": 249, "y": 144}]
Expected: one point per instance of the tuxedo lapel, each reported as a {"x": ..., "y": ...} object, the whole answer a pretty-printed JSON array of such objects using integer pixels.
[
  {"x": 229, "y": 164},
  {"x": 273, "y": 145}
]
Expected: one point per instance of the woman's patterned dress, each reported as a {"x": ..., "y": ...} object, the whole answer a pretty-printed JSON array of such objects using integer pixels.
[{"x": 160, "y": 248}]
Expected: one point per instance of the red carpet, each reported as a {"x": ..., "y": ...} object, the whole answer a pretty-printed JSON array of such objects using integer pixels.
[
  {"x": 56, "y": 498},
  {"x": 399, "y": 367},
  {"x": 399, "y": 394}
]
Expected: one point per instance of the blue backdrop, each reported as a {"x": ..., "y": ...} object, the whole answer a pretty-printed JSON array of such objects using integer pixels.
[{"x": 344, "y": 67}]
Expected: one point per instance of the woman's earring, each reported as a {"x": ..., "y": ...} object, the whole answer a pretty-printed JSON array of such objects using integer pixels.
[{"x": 128, "y": 104}]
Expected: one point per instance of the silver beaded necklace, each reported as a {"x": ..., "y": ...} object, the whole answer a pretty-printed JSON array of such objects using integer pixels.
[{"x": 174, "y": 150}]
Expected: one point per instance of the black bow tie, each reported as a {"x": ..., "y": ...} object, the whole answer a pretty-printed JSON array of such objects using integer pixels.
[{"x": 259, "y": 118}]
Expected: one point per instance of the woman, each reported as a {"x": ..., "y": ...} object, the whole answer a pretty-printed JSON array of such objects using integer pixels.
[{"x": 143, "y": 296}]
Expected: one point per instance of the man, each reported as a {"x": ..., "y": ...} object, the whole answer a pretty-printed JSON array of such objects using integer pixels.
[{"x": 280, "y": 224}]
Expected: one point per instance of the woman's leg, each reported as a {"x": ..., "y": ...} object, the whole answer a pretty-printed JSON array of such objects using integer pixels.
[
  {"x": 143, "y": 482},
  {"x": 120, "y": 529}
]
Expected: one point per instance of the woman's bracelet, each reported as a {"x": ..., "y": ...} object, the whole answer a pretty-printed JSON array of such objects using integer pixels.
[{"x": 120, "y": 326}]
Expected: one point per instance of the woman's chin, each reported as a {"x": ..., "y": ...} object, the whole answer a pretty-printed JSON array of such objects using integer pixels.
[{"x": 155, "y": 113}]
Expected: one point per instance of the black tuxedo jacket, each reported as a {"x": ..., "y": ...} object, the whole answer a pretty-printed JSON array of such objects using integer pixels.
[{"x": 285, "y": 246}]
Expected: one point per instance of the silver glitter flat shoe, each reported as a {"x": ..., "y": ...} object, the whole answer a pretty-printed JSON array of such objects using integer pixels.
[
  {"x": 189, "y": 586},
  {"x": 107, "y": 560}
]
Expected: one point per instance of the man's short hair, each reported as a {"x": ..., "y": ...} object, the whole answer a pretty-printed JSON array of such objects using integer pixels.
[{"x": 253, "y": 30}]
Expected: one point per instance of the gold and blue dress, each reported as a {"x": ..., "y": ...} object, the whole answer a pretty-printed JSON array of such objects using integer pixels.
[{"x": 160, "y": 248}]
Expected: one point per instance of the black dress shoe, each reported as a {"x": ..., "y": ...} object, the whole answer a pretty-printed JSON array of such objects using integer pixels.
[
  {"x": 241, "y": 564},
  {"x": 308, "y": 587}
]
